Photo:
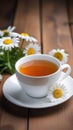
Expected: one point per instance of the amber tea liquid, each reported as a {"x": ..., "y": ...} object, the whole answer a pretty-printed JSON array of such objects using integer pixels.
[{"x": 38, "y": 68}]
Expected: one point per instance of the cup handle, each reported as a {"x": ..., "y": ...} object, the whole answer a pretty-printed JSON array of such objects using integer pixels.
[{"x": 68, "y": 71}]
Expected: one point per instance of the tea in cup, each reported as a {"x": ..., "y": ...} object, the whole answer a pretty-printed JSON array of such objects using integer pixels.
[{"x": 37, "y": 73}]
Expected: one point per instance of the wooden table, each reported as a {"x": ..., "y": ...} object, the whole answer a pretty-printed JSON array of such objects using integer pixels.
[{"x": 51, "y": 22}]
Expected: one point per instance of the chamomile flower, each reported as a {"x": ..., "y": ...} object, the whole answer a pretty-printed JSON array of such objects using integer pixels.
[
  {"x": 1, "y": 33},
  {"x": 1, "y": 53},
  {"x": 57, "y": 92},
  {"x": 26, "y": 37},
  {"x": 14, "y": 34},
  {"x": 8, "y": 31},
  {"x": 32, "y": 48},
  {"x": 60, "y": 55},
  {"x": 7, "y": 43},
  {"x": 1, "y": 77},
  {"x": 32, "y": 39}
]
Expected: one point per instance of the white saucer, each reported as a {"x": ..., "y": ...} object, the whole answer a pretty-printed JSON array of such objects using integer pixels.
[{"x": 13, "y": 92}]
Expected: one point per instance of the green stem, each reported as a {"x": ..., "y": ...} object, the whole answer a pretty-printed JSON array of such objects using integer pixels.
[
  {"x": 2, "y": 70},
  {"x": 22, "y": 43},
  {"x": 8, "y": 60}
]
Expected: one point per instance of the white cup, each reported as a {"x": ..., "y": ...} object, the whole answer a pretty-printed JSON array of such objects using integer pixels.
[{"x": 38, "y": 86}]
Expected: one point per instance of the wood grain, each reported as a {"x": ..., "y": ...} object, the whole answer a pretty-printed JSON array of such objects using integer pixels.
[
  {"x": 7, "y": 12},
  {"x": 54, "y": 118},
  {"x": 27, "y": 18},
  {"x": 70, "y": 15},
  {"x": 56, "y": 31},
  {"x": 55, "y": 34},
  {"x": 11, "y": 117},
  {"x": 55, "y": 22}
]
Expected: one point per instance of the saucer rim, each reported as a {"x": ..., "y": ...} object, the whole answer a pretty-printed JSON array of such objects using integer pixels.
[{"x": 23, "y": 104}]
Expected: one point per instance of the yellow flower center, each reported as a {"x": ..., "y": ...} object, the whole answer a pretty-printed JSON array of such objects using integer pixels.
[
  {"x": 31, "y": 51},
  {"x": 7, "y": 41},
  {"x": 57, "y": 93},
  {"x": 24, "y": 34},
  {"x": 4, "y": 31},
  {"x": 59, "y": 56}
]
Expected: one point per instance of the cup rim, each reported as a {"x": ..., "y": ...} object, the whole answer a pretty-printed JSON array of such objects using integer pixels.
[{"x": 43, "y": 55}]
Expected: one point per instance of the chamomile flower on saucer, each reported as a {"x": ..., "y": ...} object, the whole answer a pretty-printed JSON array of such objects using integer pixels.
[
  {"x": 7, "y": 43},
  {"x": 60, "y": 55},
  {"x": 26, "y": 37},
  {"x": 32, "y": 48},
  {"x": 8, "y": 31},
  {"x": 57, "y": 92}
]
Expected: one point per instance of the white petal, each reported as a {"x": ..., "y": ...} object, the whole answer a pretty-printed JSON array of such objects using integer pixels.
[{"x": 1, "y": 77}]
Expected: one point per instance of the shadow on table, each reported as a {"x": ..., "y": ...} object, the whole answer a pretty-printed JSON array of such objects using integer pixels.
[
  {"x": 27, "y": 112},
  {"x": 49, "y": 111},
  {"x": 13, "y": 109}
]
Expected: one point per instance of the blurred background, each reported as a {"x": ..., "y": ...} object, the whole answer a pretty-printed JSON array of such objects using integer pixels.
[{"x": 7, "y": 12}]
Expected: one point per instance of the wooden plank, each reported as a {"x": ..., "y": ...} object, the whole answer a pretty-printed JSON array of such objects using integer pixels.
[
  {"x": 11, "y": 116},
  {"x": 55, "y": 34},
  {"x": 70, "y": 15},
  {"x": 12, "y": 121},
  {"x": 70, "y": 23},
  {"x": 27, "y": 18},
  {"x": 7, "y": 11},
  {"x": 1, "y": 94},
  {"x": 53, "y": 118}
]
